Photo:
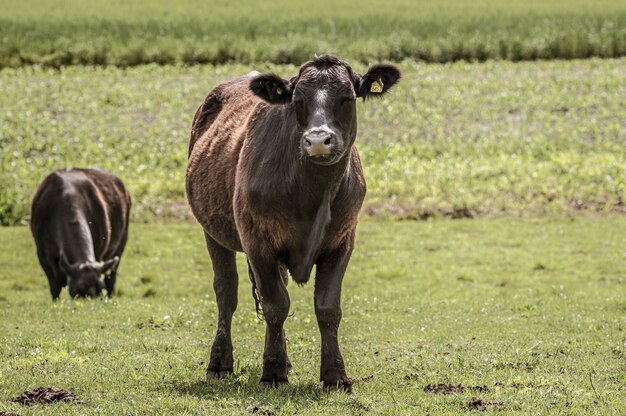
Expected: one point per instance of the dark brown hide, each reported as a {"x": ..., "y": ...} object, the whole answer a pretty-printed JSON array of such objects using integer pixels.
[
  {"x": 80, "y": 226},
  {"x": 273, "y": 172}
]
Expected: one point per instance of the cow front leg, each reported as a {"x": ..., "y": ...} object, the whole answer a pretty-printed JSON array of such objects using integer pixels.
[
  {"x": 53, "y": 273},
  {"x": 275, "y": 305},
  {"x": 225, "y": 283},
  {"x": 109, "y": 281},
  {"x": 330, "y": 270}
]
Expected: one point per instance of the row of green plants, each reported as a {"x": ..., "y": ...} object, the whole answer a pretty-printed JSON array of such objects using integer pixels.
[{"x": 69, "y": 32}]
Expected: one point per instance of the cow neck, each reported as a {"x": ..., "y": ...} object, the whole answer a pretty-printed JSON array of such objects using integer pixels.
[
  {"x": 319, "y": 186},
  {"x": 76, "y": 240}
]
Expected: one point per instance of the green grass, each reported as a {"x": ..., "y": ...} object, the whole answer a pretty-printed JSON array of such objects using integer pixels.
[
  {"x": 66, "y": 32},
  {"x": 461, "y": 139},
  {"x": 532, "y": 309}
]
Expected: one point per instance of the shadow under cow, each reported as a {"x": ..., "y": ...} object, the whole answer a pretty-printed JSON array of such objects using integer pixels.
[{"x": 243, "y": 385}]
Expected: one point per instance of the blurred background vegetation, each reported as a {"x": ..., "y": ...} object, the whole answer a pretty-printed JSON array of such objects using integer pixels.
[{"x": 118, "y": 32}]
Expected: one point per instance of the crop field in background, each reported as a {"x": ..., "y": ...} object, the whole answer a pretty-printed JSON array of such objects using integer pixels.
[
  {"x": 527, "y": 315},
  {"x": 124, "y": 33},
  {"x": 451, "y": 140}
]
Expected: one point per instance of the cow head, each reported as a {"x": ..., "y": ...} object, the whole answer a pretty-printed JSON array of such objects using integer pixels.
[
  {"x": 87, "y": 279},
  {"x": 323, "y": 96}
]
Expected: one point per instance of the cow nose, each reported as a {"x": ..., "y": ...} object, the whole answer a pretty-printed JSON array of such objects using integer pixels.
[{"x": 319, "y": 143}]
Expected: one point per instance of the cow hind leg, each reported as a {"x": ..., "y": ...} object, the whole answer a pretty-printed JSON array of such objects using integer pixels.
[
  {"x": 275, "y": 305},
  {"x": 225, "y": 284}
]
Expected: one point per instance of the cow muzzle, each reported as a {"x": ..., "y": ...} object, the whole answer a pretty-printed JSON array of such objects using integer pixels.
[{"x": 319, "y": 143}]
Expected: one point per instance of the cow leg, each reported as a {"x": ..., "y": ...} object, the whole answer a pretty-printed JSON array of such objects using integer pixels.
[
  {"x": 329, "y": 276},
  {"x": 225, "y": 283},
  {"x": 284, "y": 274},
  {"x": 275, "y": 304},
  {"x": 52, "y": 273},
  {"x": 109, "y": 281}
]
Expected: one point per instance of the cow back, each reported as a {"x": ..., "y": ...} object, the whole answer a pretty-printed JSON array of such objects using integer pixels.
[{"x": 96, "y": 195}]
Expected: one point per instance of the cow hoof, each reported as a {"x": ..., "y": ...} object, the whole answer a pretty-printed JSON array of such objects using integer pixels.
[
  {"x": 266, "y": 384},
  {"x": 344, "y": 384},
  {"x": 217, "y": 374}
]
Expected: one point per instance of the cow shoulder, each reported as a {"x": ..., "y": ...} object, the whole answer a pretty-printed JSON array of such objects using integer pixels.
[{"x": 353, "y": 187}]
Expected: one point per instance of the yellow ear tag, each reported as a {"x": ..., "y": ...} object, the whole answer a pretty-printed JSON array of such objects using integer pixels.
[
  {"x": 377, "y": 86},
  {"x": 279, "y": 90}
]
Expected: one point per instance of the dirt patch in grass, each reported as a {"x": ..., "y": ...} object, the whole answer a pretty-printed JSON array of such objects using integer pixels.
[
  {"x": 261, "y": 410},
  {"x": 152, "y": 323},
  {"x": 415, "y": 212},
  {"x": 481, "y": 404},
  {"x": 9, "y": 413},
  {"x": 442, "y": 388},
  {"x": 46, "y": 395}
]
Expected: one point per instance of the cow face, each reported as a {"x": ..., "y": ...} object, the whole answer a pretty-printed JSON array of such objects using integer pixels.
[
  {"x": 323, "y": 96},
  {"x": 87, "y": 279}
]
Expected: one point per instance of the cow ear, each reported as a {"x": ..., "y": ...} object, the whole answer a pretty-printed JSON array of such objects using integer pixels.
[
  {"x": 109, "y": 264},
  {"x": 271, "y": 88},
  {"x": 378, "y": 80}
]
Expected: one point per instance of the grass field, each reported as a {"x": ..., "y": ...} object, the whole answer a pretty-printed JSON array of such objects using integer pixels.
[
  {"x": 459, "y": 139},
  {"x": 533, "y": 310},
  {"x": 66, "y": 32},
  {"x": 521, "y": 310}
]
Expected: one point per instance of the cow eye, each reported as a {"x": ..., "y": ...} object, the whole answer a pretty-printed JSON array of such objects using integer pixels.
[
  {"x": 346, "y": 103},
  {"x": 347, "y": 100}
]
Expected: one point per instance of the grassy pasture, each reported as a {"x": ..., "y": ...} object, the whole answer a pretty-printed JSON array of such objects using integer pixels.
[
  {"x": 66, "y": 32},
  {"x": 533, "y": 310},
  {"x": 528, "y": 314},
  {"x": 451, "y": 140}
]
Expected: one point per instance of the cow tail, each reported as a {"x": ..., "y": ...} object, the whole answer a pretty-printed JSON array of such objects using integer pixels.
[{"x": 255, "y": 293}]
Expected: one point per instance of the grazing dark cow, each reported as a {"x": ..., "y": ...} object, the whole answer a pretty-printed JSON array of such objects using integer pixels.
[
  {"x": 80, "y": 225},
  {"x": 273, "y": 172}
]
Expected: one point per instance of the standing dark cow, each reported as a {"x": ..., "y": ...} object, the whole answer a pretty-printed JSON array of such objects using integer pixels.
[
  {"x": 80, "y": 225},
  {"x": 273, "y": 172}
]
